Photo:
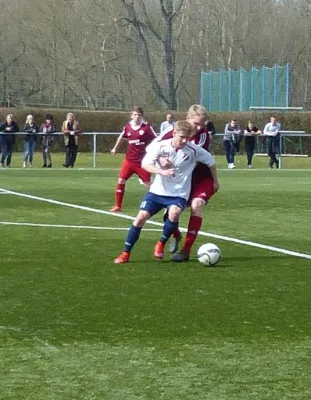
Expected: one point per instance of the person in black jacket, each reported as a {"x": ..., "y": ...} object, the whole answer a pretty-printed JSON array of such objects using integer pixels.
[
  {"x": 7, "y": 129},
  {"x": 30, "y": 141},
  {"x": 48, "y": 128}
]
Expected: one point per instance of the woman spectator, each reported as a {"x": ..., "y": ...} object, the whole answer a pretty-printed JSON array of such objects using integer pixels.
[
  {"x": 250, "y": 133},
  {"x": 30, "y": 141},
  {"x": 48, "y": 128},
  {"x": 7, "y": 129},
  {"x": 71, "y": 130}
]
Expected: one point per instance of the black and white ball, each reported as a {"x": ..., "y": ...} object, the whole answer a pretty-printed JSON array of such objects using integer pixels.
[{"x": 209, "y": 254}]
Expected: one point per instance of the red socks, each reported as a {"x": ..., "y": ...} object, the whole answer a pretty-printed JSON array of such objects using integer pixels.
[
  {"x": 193, "y": 228},
  {"x": 120, "y": 194}
]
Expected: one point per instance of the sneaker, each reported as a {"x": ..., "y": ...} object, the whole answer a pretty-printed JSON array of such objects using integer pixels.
[
  {"x": 174, "y": 242},
  {"x": 123, "y": 258},
  {"x": 30, "y": 165},
  {"x": 65, "y": 165},
  {"x": 233, "y": 166},
  {"x": 24, "y": 165},
  {"x": 159, "y": 250},
  {"x": 44, "y": 166},
  {"x": 181, "y": 256},
  {"x": 50, "y": 166},
  {"x": 116, "y": 209},
  {"x": 229, "y": 166},
  {"x": 249, "y": 166}
]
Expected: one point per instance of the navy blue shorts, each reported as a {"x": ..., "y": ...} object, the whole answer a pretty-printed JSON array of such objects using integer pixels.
[{"x": 153, "y": 203}]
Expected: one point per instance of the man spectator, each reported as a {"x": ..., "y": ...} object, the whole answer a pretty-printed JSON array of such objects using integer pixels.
[
  {"x": 250, "y": 133},
  {"x": 272, "y": 134},
  {"x": 171, "y": 186},
  {"x": 232, "y": 137},
  {"x": 168, "y": 124},
  {"x": 8, "y": 128}
]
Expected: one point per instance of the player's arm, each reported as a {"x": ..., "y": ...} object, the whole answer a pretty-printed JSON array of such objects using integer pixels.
[
  {"x": 149, "y": 163},
  {"x": 119, "y": 140},
  {"x": 266, "y": 130}
]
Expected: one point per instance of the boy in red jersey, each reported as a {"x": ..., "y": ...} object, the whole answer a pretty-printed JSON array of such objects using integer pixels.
[
  {"x": 138, "y": 135},
  {"x": 203, "y": 186}
]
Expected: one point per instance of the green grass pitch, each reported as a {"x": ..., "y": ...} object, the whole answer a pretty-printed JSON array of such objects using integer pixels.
[{"x": 75, "y": 326}]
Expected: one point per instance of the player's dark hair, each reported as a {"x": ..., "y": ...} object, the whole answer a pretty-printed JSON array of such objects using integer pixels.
[{"x": 138, "y": 110}]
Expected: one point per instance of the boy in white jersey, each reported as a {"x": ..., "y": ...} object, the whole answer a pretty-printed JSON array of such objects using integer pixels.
[{"x": 171, "y": 186}]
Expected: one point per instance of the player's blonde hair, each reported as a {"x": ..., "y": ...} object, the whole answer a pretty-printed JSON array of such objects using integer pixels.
[
  {"x": 197, "y": 109},
  {"x": 184, "y": 127}
]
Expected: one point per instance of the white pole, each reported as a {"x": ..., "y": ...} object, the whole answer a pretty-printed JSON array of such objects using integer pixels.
[{"x": 94, "y": 150}]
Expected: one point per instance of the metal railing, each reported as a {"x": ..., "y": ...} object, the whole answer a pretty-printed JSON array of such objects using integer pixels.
[{"x": 95, "y": 134}]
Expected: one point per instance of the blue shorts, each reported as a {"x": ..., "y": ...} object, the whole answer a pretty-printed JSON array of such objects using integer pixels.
[{"x": 153, "y": 203}]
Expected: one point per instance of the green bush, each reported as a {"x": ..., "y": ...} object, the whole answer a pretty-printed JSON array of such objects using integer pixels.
[{"x": 113, "y": 121}]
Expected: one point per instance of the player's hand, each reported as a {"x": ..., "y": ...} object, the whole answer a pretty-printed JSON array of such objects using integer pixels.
[
  {"x": 113, "y": 151},
  {"x": 168, "y": 172},
  {"x": 216, "y": 186},
  {"x": 164, "y": 162}
]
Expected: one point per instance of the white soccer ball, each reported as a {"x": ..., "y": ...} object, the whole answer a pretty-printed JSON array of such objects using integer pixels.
[{"x": 209, "y": 254}]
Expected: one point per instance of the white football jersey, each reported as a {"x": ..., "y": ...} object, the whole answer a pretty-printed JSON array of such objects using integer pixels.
[{"x": 183, "y": 162}]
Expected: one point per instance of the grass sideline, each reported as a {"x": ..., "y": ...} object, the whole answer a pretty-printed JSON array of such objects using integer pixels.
[{"x": 75, "y": 326}]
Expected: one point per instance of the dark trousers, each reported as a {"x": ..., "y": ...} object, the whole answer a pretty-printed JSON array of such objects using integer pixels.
[
  {"x": 273, "y": 150},
  {"x": 71, "y": 155},
  {"x": 46, "y": 154},
  {"x": 230, "y": 150},
  {"x": 250, "y": 149},
  {"x": 7, "y": 150}
]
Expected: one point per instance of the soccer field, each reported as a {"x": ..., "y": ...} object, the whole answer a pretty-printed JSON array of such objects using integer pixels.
[{"x": 74, "y": 325}]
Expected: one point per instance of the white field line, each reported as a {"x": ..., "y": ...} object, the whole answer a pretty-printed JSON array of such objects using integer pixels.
[
  {"x": 96, "y": 228},
  {"x": 128, "y": 217}
]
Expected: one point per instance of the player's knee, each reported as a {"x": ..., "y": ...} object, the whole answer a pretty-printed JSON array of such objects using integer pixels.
[
  {"x": 141, "y": 218},
  {"x": 197, "y": 206},
  {"x": 174, "y": 213},
  {"x": 121, "y": 181}
]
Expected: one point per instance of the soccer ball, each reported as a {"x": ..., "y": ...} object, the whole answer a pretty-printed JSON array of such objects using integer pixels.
[{"x": 209, "y": 254}]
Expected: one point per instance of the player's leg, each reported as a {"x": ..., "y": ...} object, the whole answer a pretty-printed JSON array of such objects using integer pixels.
[
  {"x": 148, "y": 208},
  {"x": 143, "y": 175},
  {"x": 175, "y": 207},
  {"x": 201, "y": 193},
  {"x": 176, "y": 236},
  {"x": 125, "y": 173}
]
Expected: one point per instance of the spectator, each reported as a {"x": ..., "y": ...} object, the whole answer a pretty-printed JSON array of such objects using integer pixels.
[
  {"x": 48, "y": 128},
  {"x": 250, "y": 133},
  {"x": 168, "y": 124},
  {"x": 210, "y": 127},
  {"x": 7, "y": 129},
  {"x": 272, "y": 134},
  {"x": 71, "y": 130},
  {"x": 30, "y": 141},
  {"x": 231, "y": 137}
]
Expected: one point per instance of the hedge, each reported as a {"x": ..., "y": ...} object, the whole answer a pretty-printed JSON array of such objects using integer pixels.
[{"x": 113, "y": 121}]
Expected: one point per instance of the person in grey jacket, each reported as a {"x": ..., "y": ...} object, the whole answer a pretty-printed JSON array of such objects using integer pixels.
[
  {"x": 48, "y": 128},
  {"x": 232, "y": 136},
  {"x": 272, "y": 133}
]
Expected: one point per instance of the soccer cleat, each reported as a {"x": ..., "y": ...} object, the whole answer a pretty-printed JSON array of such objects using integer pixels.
[
  {"x": 174, "y": 242},
  {"x": 159, "y": 250},
  {"x": 181, "y": 256},
  {"x": 116, "y": 209},
  {"x": 123, "y": 258}
]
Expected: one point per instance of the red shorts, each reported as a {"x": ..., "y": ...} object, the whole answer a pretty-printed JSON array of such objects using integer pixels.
[
  {"x": 128, "y": 169},
  {"x": 201, "y": 189}
]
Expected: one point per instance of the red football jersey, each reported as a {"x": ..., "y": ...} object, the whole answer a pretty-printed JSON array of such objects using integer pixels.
[
  {"x": 138, "y": 139},
  {"x": 202, "y": 138}
]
